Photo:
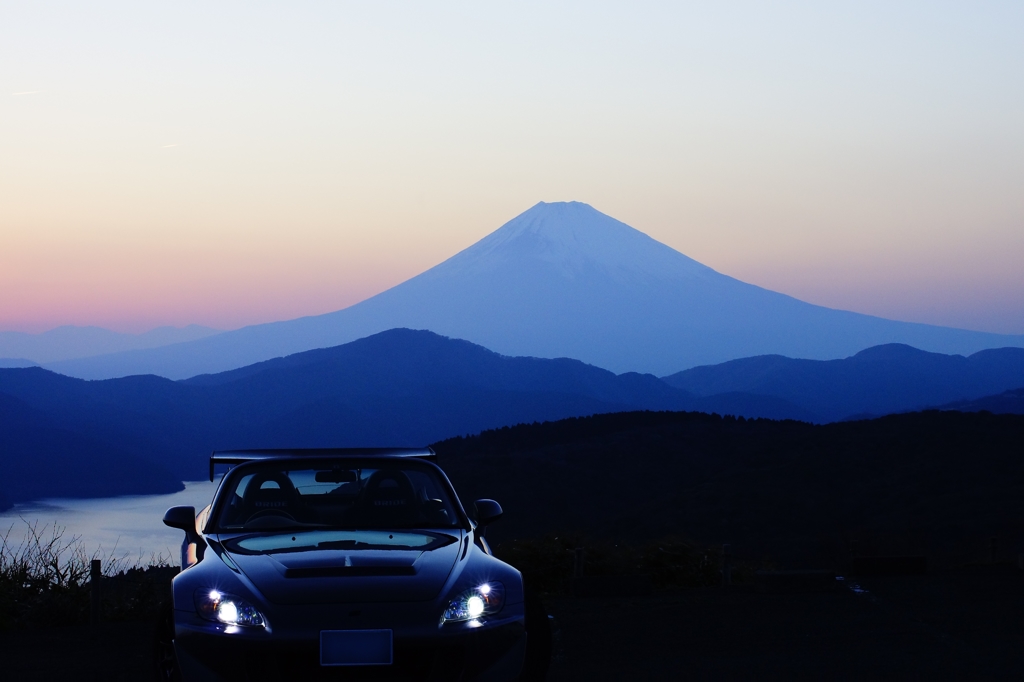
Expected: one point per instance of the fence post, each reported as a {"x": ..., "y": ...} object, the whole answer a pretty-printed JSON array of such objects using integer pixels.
[{"x": 96, "y": 608}]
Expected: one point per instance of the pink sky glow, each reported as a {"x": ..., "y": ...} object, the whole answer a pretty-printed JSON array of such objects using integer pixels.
[{"x": 235, "y": 164}]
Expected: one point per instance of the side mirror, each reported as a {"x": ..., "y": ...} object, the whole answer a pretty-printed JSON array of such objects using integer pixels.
[
  {"x": 487, "y": 512},
  {"x": 182, "y": 518}
]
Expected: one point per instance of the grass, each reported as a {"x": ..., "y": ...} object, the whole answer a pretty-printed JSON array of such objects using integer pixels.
[{"x": 44, "y": 580}]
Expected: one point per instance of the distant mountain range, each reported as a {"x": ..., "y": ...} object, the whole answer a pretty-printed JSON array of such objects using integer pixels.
[
  {"x": 66, "y": 436},
  {"x": 67, "y": 343},
  {"x": 563, "y": 280},
  {"x": 1008, "y": 402},
  {"x": 11, "y": 363},
  {"x": 396, "y": 388},
  {"x": 876, "y": 381}
]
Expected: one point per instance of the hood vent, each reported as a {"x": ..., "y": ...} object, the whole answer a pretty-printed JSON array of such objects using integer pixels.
[{"x": 348, "y": 571}]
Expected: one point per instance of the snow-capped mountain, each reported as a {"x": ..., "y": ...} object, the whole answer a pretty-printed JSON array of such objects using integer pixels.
[{"x": 565, "y": 280}]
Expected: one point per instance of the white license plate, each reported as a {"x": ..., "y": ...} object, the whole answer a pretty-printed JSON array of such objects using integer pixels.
[{"x": 356, "y": 647}]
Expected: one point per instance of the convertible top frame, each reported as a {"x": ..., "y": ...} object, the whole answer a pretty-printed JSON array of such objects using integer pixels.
[{"x": 231, "y": 457}]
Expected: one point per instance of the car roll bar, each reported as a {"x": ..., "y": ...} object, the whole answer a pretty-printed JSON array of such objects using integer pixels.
[{"x": 232, "y": 457}]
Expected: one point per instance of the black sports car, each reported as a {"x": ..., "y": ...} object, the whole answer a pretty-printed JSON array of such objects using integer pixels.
[{"x": 345, "y": 564}]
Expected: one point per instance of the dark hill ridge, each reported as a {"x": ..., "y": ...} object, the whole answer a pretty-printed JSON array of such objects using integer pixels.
[
  {"x": 939, "y": 484},
  {"x": 402, "y": 360},
  {"x": 876, "y": 381}
]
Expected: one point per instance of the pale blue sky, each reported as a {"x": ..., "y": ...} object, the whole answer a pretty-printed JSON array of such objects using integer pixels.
[{"x": 230, "y": 163}]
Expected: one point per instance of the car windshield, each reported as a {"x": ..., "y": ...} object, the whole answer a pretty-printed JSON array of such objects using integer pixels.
[
  {"x": 292, "y": 541},
  {"x": 346, "y": 495}
]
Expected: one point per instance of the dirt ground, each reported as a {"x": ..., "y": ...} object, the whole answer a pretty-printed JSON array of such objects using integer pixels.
[
  {"x": 120, "y": 652},
  {"x": 964, "y": 624}
]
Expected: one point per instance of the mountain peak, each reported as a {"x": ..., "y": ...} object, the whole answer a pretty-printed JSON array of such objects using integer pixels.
[
  {"x": 894, "y": 351},
  {"x": 564, "y": 220},
  {"x": 572, "y": 237}
]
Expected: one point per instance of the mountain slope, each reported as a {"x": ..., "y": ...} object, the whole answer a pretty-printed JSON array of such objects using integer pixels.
[
  {"x": 564, "y": 280},
  {"x": 41, "y": 455},
  {"x": 880, "y": 380}
]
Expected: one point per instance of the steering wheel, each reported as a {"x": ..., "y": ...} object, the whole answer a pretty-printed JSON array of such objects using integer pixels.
[
  {"x": 270, "y": 512},
  {"x": 266, "y": 513}
]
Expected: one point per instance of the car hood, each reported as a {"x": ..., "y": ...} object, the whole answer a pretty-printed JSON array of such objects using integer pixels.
[{"x": 350, "y": 567}]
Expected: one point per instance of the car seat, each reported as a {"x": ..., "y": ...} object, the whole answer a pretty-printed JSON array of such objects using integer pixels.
[
  {"x": 261, "y": 500},
  {"x": 388, "y": 499}
]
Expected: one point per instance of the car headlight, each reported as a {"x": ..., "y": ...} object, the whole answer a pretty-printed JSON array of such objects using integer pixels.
[
  {"x": 228, "y": 609},
  {"x": 482, "y": 600}
]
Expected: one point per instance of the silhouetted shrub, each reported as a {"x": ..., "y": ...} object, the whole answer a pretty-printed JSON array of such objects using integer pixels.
[{"x": 44, "y": 581}]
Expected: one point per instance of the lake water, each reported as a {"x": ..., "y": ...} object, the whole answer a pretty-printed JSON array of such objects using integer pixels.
[{"x": 119, "y": 526}]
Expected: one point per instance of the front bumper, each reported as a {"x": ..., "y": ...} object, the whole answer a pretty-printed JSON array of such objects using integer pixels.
[{"x": 493, "y": 652}]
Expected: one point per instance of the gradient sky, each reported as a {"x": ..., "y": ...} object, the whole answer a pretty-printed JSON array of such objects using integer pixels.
[{"x": 231, "y": 163}]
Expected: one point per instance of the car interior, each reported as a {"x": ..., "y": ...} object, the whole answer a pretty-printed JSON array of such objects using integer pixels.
[{"x": 387, "y": 497}]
